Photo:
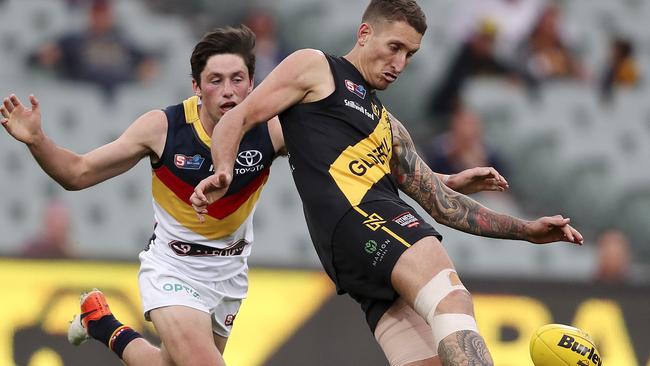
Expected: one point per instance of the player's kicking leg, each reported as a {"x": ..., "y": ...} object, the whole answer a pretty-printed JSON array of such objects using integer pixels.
[{"x": 425, "y": 278}]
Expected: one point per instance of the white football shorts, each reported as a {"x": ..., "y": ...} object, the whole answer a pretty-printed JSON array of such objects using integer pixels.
[{"x": 215, "y": 285}]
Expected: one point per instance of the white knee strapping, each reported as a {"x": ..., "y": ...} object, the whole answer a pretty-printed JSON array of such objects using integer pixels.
[
  {"x": 430, "y": 297},
  {"x": 446, "y": 324},
  {"x": 437, "y": 289}
]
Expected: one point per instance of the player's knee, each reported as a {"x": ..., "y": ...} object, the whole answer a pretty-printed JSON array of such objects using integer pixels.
[
  {"x": 456, "y": 302},
  {"x": 446, "y": 305},
  {"x": 444, "y": 293},
  {"x": 198, "y": 356}
]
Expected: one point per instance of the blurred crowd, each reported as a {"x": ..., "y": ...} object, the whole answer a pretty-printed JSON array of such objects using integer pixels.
[
  {"x": 528, "y": 43},
  {"x": 52, "y": 240},
  {"x": 99, "y": 54}
]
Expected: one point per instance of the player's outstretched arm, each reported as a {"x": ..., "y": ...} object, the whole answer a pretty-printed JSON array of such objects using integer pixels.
[
  {"x": 73, "y": 171},
  {"x": 292, "y": 81},
  {"x": 460, "y": 212}
]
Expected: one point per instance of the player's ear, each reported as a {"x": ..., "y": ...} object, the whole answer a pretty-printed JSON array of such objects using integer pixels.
[
  {"x": 364, "y": 32},
  {"x": 196, "y": 88},
  {"x": 251, "y": 84}
]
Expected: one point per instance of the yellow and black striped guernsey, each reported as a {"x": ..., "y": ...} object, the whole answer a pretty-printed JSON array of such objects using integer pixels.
[{"x": 339, "y": 150}]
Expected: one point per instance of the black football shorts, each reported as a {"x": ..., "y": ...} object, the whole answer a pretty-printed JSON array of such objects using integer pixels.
[{"x": 366, "y": 245}]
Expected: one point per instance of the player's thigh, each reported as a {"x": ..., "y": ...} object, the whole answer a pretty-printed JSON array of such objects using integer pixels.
[
  {"x": 186, "y": 334},
  {"x": 417, "y": 266}
]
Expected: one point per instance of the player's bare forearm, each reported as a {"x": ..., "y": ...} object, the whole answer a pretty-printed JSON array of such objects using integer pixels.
[
  {"x": 446, "y": 206},
  {"x": 226, "y": 137},
  {"x": 460, "y": 212},
  {"x": 73, "y": 171},
  {"x": 59, "y": 163}
]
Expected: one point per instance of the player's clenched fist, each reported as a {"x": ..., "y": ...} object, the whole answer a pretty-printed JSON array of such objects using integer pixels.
[{"x": 208, "y": 191}]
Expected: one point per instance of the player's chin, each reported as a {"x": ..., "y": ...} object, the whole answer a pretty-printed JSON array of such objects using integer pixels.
[{"x": 382, "y": 85}]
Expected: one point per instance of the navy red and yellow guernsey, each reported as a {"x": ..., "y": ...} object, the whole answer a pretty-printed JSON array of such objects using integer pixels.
[{"x": 185, "y": 161}]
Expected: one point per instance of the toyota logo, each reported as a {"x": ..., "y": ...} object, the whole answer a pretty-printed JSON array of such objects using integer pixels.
[{"x": 249, "y": 158}]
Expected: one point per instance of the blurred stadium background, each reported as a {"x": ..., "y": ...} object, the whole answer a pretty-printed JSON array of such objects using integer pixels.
[{"x": 566, "y": 144}]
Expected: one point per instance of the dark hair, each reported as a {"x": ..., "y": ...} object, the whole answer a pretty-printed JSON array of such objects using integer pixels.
[
  {"x": 239, "y": 41},
  {"x": 397, "y": 10}
]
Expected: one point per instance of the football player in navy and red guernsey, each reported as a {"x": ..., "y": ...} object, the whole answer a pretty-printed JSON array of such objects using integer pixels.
[{"x": 193, "y": 276}]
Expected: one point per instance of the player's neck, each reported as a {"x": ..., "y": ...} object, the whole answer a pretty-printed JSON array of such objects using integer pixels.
[
  {"x": 355, "y": 57},
  {"x": 206, "y": 121}
]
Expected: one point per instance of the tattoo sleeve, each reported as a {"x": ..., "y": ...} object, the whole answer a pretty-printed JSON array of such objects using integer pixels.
[{"x": 446, "y": 206}]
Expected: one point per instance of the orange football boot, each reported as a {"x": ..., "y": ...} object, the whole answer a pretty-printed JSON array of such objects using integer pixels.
[{"x": 93, "y": 307}]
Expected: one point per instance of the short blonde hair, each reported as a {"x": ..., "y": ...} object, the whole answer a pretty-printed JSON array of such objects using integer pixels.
[{"x": 397, "y": 10}]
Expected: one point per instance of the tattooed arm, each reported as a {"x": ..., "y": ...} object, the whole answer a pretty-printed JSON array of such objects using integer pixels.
[{"x": 460, "y": 212}]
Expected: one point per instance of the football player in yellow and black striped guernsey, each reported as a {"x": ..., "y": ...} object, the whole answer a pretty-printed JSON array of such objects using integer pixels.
[
  {"x": 193, "y": 276},
  {"x": 349, "y": 156}
]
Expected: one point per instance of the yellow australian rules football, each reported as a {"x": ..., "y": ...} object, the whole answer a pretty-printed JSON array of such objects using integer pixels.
[{"x": 559, "y": 345}]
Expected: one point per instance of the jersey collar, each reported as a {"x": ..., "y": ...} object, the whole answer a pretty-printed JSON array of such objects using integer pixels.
[{"x": 191, "y": 108}]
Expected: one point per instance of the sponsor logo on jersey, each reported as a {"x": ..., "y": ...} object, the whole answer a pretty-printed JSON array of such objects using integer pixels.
[
  {"x": 359, "y": 107},
  {"x": 249, "y": 158},
  {"x": 198, "y": 250},
  {"x": 359, "y": 167},
  {"x": 407, "y": 219},
  {"x": 356, "y": 89},
  {"x": 249, "y": 161},
  {"x": 188, "y": 162},
  {"x": 378, "y": 155},
  {"x": 253, "y": 169}
]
